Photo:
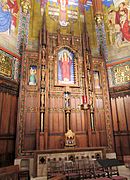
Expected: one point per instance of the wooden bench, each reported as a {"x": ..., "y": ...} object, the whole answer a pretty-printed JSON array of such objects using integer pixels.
[
  {"x": 9, "y": 172},
  {"x": 13, "y": 172}
]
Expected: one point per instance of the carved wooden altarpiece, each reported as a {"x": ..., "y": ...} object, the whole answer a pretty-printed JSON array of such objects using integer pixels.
[{"x": 54, "y": 80}]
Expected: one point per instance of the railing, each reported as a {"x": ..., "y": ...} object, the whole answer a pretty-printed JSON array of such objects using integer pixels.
[{"x": 82, "y": 169}]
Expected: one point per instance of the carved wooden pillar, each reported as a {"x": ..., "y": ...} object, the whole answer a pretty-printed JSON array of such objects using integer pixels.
[
  {"x": 101, "y": 36},
  {"x": 46, "y": 107},
  {"x": 58, "y": 37},
  {"x": 88, "y": 86}
]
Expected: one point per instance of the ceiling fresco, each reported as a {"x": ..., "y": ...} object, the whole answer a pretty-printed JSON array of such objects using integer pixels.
[{"x": 68, "y": 15}]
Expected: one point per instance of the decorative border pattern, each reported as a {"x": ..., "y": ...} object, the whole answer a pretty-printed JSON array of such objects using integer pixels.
[
  {"x": 23, "y": 30},
  {"x": 101, "y": 40},
  {"x": 107, "y": 109}
]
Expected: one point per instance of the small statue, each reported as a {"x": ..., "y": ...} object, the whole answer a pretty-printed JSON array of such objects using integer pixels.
[{"x": 32, "y": 77}]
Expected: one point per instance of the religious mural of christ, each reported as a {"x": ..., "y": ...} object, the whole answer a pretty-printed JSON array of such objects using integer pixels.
[{"x": 65, "y": 67}]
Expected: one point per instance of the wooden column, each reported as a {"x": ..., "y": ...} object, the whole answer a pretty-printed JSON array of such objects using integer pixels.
[
  {"x": 98, "y": 11},
  {"x": 46, "y": 97}
]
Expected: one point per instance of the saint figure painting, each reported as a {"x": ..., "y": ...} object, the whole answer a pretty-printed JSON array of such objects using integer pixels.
[
  {"x": 32, "y": 76},
  {"x": 65, "y": 67}
]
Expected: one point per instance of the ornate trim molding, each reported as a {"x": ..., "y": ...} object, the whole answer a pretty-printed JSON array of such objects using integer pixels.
[{"x": 8, "y": 86}]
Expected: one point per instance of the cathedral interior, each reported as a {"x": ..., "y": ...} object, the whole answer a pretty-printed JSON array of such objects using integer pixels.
[{"x": 65, "y": 89}]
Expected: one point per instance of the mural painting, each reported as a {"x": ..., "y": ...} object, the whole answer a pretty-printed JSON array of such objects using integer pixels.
[
  {"x": 118, "y": 28},
  {"x": 8, "y": 15},
  {"x": 63, "y": 10}
]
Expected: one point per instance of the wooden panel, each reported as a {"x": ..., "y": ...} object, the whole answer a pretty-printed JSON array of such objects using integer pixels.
[
  {"x": 8, "y": 115},
  {"x": 95, "y": 139},
  {"x": 30, "y": 122},
  {"x": 55, "y": 141},
  {"x": 118, "y": 145},
  {"x": 84, "y": 121},
  {"x": 5, "y": 113},
  {"x": 99, "y": 115},
  {"x": 73, "y": 122},
  {"x": 82, "y": 140},
  {"x": 13, "y": 115},
  {"x": 56, "y": 116},
  {"x": 103, "y": 138},
  {"x": 100, "y": 120},
  {"x": 78, "y": 121},
  {"x": 56, "y": 122},
  {"x": 121, "y": 114},
  {"x": 127, "y": 110},
  {"x": 61, "y": 122},
  {"x": 50, "y": 122},
  {"x": 125, "y": 141},
  {"x": 60, "y": 102},
  {"x": 121, "y": 125},
  {"x": 30, "y": 131},
  {"x": 1, "y": 103},
  {"x": 114, "y": 114},
  {"x": 41, "y": 140},
  {"x": 3, "y": 146},
  {"x": 73, "y": 103},
  {"x": 10, "y": 146},
  {"x": 30, "y": 142}
]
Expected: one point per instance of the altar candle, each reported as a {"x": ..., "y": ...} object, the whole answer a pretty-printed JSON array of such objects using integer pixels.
[{"x": 84, "y": 99}]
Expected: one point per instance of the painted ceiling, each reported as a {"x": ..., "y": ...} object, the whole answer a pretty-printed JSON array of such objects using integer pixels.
[{"x": 67, "y": 15}]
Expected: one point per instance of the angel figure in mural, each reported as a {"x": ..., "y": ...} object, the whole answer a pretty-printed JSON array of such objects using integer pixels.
[
  {"x": 8, "y": 15},
  {"x": 5, "y": 17}
]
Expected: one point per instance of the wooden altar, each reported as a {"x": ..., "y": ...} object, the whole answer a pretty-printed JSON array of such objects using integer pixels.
[{"x": 62, "y": 88}]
